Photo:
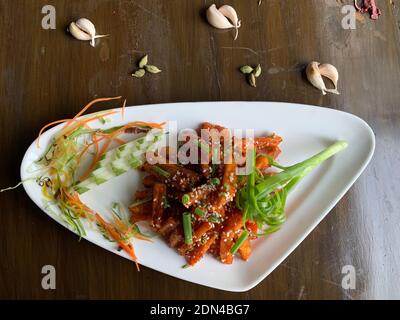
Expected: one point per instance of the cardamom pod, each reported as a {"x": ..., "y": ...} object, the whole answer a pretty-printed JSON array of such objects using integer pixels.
[
  {"x": 246, "y": 69},
  {"x": 252, "y": 80},
  {"x": 143, "y": 61},
  {"x": 257, "y": 71},
  {"x": 152, "y": 69},
  {"x": 139, "y": 73}
]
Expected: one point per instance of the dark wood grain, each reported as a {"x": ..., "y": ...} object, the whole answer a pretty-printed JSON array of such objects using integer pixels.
[{"x": 47, "y": 75}]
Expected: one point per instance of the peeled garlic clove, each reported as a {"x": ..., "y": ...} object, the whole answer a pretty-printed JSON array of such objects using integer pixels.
[
  {"x": 231, "y": 14},
  {"x": 87, "y": 26},
  {"x": 77, "y": 33},
  {"x": 329, "y": 71},
  {"x": 217, "y": 19},
  {"x": 84, "y": 29},
  {"x": 223, "y": 18},
  {"x": 314, "y": 76}
]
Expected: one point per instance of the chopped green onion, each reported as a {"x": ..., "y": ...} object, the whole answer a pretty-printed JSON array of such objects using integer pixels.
[
  {"x": 138, "y": 203},
  {"x": 214, "y": 218},
  {"x": 161, "y": 172},
  {"x": 199, "y": 212},
  {"x": 215, "y": 181},
  {"x": 185, "y": 199},
  {"x": 215, "y": 155},
  {"x": 263, "y": 199},
  {"x": 187, "y": 227},
  {"x": 202, "y": 145},
  {"x": 243, "y": 237}
]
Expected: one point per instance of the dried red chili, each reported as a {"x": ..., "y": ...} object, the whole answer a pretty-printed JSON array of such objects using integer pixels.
[{"x": 368, "y": 6}]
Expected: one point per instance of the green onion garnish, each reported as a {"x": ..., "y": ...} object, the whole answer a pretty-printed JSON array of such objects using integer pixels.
[
  {"x": 199, "y": 212},
  {"x": 185, "y": 199},
  {"x": 140, "y": 202},
  {"x": 243, "y": 237},
  {"x": 187, "y": 227},
  {"x": 202, "y": 145},
  {"x": 161, "y": 172},
  {"x": 214, "y": 218},
  {"x": 215, "y": 181},
  {"x": 263, "y": 199}
]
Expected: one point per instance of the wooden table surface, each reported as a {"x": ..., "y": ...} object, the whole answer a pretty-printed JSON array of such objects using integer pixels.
[{"x": 47, "y": 75}]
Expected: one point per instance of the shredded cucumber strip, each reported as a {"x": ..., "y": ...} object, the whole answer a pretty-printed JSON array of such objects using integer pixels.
[{"x": 120, "y": 160}]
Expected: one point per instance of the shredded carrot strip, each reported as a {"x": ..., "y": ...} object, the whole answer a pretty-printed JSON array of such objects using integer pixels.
[
  {"x": 120, "y": 141},
  {"x": 85, "y": 121},
  {"x": 80, "y": 122},
  {"x": 46, "y": 126},
  {"x": 93, "y": 164},
  {"x": 90, "y": 104},
  {"x": 128, "y": 248}
]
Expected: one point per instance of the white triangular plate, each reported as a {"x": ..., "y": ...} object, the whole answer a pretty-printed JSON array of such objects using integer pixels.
[{"x": 306, "y": 130}]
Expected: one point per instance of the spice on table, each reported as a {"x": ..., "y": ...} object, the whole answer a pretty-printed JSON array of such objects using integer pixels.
[
  {"x": 369, "y": 6},
  {"x": 224, "y": 17},
  {"x": 83, "y": 29},
  {"x": 252, "y": 73},
  {"x": 144, "y": 67},
  {"x": 315, "y": 71}
]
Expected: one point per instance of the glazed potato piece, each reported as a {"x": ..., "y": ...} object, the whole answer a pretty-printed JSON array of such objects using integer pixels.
[
  {"x": 198, "y": 234},
  {"x": 245, "y": 250},
  {"x": 143, "y": 194},
  {"x": 226, "y": 191},
  {"x": 262, "y": 144},
  {"x": 198, "y": 252},
  {"x": 174, "y": 176},
  {"x": 159, "y": 203},
  {"x": 208, "y": 169},
  {"x": 141, "y": 212},
  {"x": 149, "y": 181},
  {"x": 176, "y": 238},
  {"x": 231, "y": 228},
  {"x": 168, "y": 226},
  {"x": 199, "y": 194}
]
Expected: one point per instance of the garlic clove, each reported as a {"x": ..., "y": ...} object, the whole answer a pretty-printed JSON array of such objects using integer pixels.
[
  {"x": 224, "y": 18},
  {"x": 77, "y": 33},
  {"x": 230, "y": 13},
  {"x": 315, "y": 77},
  {"x": 84, "y": 29},
  {"x": 217, "y": 19},
  {"x": 87, "y": 26},
  {"x": 329, "y": 71}
]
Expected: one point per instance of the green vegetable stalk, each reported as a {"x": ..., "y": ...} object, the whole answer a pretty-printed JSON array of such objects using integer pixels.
[{"x": 263, "y": 200}]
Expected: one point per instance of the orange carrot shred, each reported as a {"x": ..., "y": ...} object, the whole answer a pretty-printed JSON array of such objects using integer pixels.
[{"x": 128, "y": 248}]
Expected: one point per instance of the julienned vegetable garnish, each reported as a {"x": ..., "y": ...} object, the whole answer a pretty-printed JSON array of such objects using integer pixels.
[
  {"x": 263, "y": 200},
  {"x": 58, "y": 170}
]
